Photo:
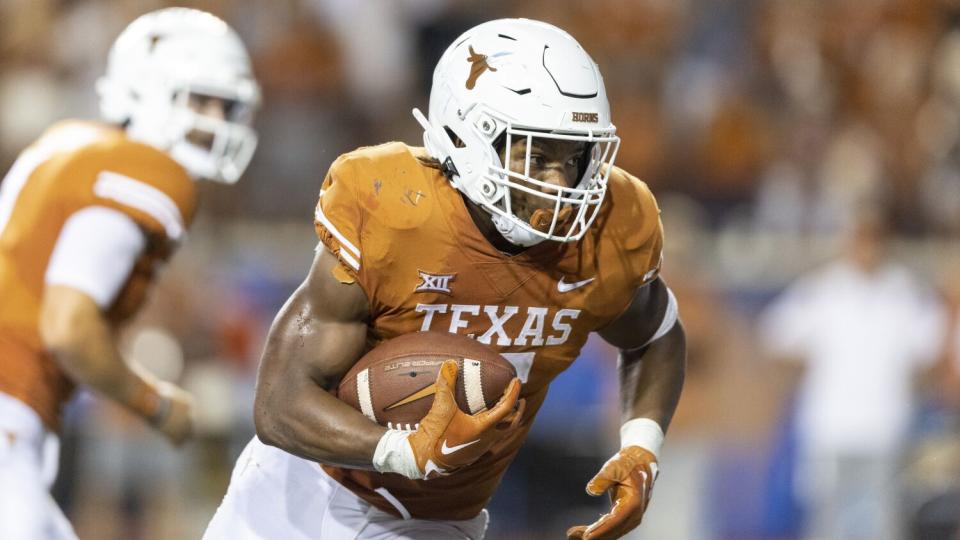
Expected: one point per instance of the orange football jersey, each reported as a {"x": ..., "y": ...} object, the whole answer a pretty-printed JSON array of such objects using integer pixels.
[
  {"x": 72, "y": 166},
  {"x": 403, "y": 232}
]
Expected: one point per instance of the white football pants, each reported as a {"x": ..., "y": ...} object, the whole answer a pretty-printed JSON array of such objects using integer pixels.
[
  {"x": 29, "y": 457},
  {"x": 274, "y": 494}
]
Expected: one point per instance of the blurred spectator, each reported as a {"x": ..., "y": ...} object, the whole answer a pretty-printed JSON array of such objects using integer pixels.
[
  {"x": 938, "y": 133},
  {"x": 862, "y": 327}
]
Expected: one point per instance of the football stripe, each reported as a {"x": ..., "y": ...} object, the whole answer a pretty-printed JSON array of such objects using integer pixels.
[
  {"x": 473, "y": 384},
  {"x": 363, "y": 393}
]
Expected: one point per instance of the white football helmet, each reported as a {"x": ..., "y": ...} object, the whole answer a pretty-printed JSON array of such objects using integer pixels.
[
  {"x": 519, "y": 78},
  {"x": 158, "y": 64}
]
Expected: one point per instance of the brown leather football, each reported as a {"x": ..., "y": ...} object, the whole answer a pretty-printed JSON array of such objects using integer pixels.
[{"x": 394, "y": 383}]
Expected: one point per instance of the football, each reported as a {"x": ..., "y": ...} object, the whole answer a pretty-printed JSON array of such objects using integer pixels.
[{"x": 395, "y": 382}]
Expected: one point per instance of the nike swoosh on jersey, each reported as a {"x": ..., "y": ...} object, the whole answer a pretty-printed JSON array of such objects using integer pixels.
[
  {"x": 447, "y": 450},
  {"x": 567, "y": 287}
]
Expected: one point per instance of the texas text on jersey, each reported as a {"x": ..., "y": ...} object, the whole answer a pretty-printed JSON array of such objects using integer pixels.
[{"x": 404, "y": 234}]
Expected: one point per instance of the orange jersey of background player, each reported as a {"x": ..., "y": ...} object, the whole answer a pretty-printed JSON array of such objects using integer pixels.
[
  {"x": 73, "y": 166},
  {"x": 403, "y": 233}
]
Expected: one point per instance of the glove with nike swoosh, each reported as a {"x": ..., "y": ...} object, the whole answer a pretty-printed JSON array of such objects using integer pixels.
[
  {"x": 447, "y": 438},
  {"x": 629, "y": 477}
]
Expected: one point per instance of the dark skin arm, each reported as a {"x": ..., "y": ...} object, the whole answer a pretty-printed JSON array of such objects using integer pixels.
[
  {"x": 651, "y": 377},
  {"x": 316, "y": 338}
]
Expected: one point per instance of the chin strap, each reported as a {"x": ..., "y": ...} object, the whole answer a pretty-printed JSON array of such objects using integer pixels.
[
  {"x": 540, "y": 220},
  {"x": 514, "y": 234},
  {"x": 198, "y": 162}
]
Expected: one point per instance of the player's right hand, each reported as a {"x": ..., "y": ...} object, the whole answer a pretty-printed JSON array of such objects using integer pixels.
[
  {"x": 628, "y": 477},
  {"x": 448, "y": 438},
  {"x": 175, "y": 420}
]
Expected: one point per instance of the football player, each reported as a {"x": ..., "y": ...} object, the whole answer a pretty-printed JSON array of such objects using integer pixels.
[
  {"x": 512, "y": 226},
  {"x": 87, "y": 215}
]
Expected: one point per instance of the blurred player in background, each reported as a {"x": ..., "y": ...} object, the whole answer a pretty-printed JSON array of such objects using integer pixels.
[
  {"x": 88, "y": 213},
  {"x": 512, "y": 226},
  {"x": 862, "y": 328}
]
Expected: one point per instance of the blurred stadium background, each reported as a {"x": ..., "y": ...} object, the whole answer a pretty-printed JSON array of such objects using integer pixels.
[{"x": 760, "y": 126}]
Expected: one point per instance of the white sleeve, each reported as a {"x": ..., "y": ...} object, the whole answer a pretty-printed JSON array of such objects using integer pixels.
[{"x": 95, "y": 253}]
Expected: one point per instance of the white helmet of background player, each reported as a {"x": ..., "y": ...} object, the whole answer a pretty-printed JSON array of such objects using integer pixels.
[
  {"x": 517, "y": 78},
  {"x": 162, "y": 59}
]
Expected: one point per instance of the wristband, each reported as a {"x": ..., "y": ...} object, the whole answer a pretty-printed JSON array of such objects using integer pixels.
[
  {"x": 147, "y": 402},
  {"x": 642, "y": 432},
  {"x": 395, "y": 455},
  {"x": 162, "y": 412}
]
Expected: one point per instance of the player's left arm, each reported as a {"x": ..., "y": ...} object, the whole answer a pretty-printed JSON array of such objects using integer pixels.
[{"x": 652, "y": 364}]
